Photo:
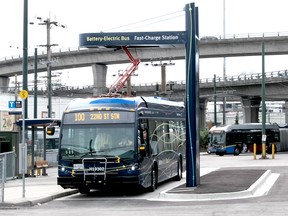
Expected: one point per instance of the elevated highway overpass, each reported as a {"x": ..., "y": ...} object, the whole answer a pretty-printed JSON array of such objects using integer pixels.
[{"x": 209, "y": 47}]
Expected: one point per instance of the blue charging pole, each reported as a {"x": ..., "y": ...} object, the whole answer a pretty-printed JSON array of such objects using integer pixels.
[{"x": 192, "y": 97}]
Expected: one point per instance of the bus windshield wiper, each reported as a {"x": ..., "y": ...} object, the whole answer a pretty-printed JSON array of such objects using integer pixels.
[
  {"x": 90, "y": 145},
  {"x": 88, "y": 153},
  {"x": 91, "y": 151}
]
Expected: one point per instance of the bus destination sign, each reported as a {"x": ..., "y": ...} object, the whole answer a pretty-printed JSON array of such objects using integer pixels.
[{"x": 95, "y": 117}]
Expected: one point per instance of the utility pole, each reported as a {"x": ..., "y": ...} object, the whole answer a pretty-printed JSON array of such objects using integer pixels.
[
  {"x": 48, "y": 46},
  {"x": 224, "y": 64},
  {"x": 48, "y": 24},
  {"x": 163, "y": 75}
]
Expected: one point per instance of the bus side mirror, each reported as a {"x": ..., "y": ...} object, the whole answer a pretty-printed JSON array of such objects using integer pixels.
[
  {"x": 142, "y": 150},
  {"x": 50, "y": 131},
  {"x": 143, "y": 126}
]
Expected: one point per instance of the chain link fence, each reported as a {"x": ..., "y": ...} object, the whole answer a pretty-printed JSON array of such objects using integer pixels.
[
  {"x": 2, "y": 178},
  {"x": 7, "y": 170}
]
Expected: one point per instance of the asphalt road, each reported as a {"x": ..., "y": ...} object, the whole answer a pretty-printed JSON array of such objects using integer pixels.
[{"x": 120, "y": 202}]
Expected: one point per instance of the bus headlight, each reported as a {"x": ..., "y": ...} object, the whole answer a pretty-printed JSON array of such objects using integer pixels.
[
  {"x": 63, "y": 169},
  {"x": 133, "y": 167}
]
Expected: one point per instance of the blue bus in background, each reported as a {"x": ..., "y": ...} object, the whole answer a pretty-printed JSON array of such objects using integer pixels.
[
  {"x": 108, "y": 141},
  {"x": 237, "y": 138}
]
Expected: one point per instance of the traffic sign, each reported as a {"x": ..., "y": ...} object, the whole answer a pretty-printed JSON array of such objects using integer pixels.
[
  {"x": 14, "y": 104},
  {"x": 18, "y": 104},
  {"x": 11, "y": 104},
  {"x": 23, "y": 94}
]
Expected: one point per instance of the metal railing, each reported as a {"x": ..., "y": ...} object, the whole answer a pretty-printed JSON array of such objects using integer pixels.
[
  {"x": 2, "y": 178},
  {"x": 242, "y": 79}
]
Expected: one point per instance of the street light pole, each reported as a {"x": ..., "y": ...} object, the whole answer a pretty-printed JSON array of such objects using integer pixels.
[
  {"x": 263, "y": 91},
  {"x": 224, "y": 63},
  {"x": 25, "y": 54}
]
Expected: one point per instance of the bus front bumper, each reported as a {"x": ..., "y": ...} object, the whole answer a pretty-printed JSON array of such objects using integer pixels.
[{"x": 72, "y": 182}]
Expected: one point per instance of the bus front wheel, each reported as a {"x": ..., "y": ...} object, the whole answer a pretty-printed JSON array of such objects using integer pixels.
[
  {"x": 153, "y": 186},
  {"x": 84, "y": 190}
]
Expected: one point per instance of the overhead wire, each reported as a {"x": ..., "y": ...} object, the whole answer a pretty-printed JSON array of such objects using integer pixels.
[{"x": 147, "y": 20}]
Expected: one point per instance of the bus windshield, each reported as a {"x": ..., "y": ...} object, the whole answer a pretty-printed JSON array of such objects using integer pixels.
[
  {"x": 217, "y": 138},
  {"x": 79, "y": 141}
]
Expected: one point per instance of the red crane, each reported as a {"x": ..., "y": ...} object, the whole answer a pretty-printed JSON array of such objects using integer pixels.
[{"x": 125, "y": 75}]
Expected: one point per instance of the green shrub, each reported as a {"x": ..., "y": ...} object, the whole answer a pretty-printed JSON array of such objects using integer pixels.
[{"x": 203, "y": 138}]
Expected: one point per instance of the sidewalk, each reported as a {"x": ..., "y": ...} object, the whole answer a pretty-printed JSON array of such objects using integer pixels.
[
  {"x": 38, "y": 189},
  {"x": 215, "y": 184}
]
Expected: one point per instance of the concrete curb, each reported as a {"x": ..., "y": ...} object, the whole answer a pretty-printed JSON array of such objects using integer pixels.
[
  {"x": 252, "y": 191},
  {"x": 40, "y": 200},
  {"x": 52, "y": 197}
]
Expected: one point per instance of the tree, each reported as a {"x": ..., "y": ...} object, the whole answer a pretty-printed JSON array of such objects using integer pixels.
[{"x": 203, "y": 138}]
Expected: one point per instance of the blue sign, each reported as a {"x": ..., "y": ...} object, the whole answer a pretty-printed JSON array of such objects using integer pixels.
[
  {"x": 11, "y": 104},
  {"x": 14, "y": 104},
  {"x": 131, "y": 38}
]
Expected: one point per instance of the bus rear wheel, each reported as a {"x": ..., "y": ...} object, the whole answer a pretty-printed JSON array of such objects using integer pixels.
[
  {"x": 178, "y": 177},
  {"x": 237, "y": 150}
]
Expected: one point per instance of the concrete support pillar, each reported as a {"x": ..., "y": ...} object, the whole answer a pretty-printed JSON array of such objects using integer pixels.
[
  {"x": 251, "y": 109},
  {"x": 163, "y": 79},
  {"x": 202, "y": 114},
  {"x": 286, "y": 111},
  {"x": 4, "y": 84},
  {"x": 99, "y": 78}
]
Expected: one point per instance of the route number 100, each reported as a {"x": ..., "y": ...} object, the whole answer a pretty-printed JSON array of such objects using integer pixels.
[{"x": 79, "y": 117}]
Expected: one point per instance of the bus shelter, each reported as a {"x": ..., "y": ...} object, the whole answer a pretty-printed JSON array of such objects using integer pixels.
[{"x": 36, "y": 142}]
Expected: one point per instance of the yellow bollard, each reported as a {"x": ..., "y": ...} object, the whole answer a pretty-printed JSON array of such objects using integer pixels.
[
  {"x": 273, "y": 150},
  {"x": 263, "y": 150},
  {"x": 39, "y": 172},
  {"x": 254, "y": 151}
]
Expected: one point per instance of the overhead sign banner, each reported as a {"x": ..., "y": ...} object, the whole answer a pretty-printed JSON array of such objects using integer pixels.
[{"x": 131, "y": 38}]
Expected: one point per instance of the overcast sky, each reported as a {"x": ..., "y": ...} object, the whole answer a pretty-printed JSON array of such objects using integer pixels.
[{"x": 242, "y": 16}]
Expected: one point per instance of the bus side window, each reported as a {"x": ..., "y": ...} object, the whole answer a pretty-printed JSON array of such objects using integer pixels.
[
  {"x": 154, "y": 144},
  {"x": 143, "y": 137}
]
